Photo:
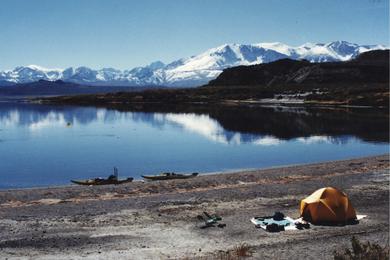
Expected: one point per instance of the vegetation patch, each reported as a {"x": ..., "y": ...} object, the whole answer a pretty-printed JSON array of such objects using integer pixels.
[{"x": 363, "y": 250}]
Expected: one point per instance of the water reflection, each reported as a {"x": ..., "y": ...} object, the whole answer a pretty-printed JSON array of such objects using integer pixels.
[
  {"x": 265, "y": 126},
  {"x": 202, "y": 125}
]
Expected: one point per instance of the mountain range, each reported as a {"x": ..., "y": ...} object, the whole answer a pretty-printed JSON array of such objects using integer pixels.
[{"x": 192, "y": 71}]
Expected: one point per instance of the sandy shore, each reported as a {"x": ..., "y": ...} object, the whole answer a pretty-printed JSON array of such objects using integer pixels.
[{"x": 158, "y": 220}]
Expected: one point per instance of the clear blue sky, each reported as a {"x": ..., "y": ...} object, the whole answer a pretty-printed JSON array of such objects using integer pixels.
[{"x": 125, "y": 34}]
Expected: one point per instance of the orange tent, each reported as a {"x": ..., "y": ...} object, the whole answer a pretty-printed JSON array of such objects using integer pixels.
[{"x": 327, "y": 205}]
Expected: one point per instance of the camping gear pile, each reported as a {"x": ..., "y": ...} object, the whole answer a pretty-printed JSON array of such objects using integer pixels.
[
  {"x": 326, "y": 206},
  {"x": 210, "y": 220},
  {"x": 278, "y": 222}
]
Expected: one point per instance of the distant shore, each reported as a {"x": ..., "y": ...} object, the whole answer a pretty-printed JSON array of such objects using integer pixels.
[
  {"x": 156, "y": 220},
  {"x": 375, "y": 95}
]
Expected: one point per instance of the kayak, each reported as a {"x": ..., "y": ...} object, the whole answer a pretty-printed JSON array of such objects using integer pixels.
[
  {"x": 100, "y": 181},
  {"x": 169, "y": 176}
]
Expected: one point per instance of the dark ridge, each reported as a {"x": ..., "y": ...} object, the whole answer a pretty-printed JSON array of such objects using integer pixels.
[
  {"x": 369, "y": 67},
  {"x": 375, "y": 57}
]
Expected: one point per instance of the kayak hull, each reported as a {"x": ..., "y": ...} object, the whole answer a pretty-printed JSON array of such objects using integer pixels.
[
  {"x": 93, "y": 182},
  {"x": 168, "y": 177}
]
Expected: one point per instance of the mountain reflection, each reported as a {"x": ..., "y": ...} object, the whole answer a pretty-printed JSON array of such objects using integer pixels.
[{"x": 265, "y": 126}]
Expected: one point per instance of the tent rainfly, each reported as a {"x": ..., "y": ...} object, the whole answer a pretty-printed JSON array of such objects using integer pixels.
[{"x": 327, "y": 205}]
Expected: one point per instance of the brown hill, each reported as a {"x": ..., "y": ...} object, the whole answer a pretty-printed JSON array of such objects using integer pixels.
[{"x": 369, "y": 67}]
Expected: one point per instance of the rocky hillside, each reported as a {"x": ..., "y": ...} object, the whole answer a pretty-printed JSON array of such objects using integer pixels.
[{"x": 369, "y": 67}]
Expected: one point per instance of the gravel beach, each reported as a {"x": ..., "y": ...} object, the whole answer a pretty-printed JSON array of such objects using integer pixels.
[{"x": 158, "y": 220}]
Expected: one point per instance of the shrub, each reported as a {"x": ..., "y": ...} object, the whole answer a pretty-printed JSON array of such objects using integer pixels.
[
  {"x": 242, "y": 250},
  {"x": 362, "y": 251}
]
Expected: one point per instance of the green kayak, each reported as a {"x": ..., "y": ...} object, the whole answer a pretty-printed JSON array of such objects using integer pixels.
[
  {"x": 112, "y": 179},
  {"x": 101, "y": 181},
  {"x": 169, "y": 176}
]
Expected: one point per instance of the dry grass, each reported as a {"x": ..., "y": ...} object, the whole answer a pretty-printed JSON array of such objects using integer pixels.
[
  {"x": 242, "y": 250},
  {"x": 366, "y": 251},
  {"x": 238, "y": 252}
]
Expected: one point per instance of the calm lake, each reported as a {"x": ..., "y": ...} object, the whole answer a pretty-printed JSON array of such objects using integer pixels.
[{"x": 42, "y": 145}]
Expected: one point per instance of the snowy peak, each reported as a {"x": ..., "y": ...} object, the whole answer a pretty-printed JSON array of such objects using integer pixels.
[
  {"x": 156, "y": 65},
  {"x": 195, "y": 70}
]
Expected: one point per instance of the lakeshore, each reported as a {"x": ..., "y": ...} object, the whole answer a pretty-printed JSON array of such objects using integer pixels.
[{"x": 157, "y": 220}]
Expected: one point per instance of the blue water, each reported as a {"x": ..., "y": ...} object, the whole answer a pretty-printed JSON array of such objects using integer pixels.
[{"x": 50, "y": 145}]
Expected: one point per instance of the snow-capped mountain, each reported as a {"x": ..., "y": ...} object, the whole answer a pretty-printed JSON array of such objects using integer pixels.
[{"x": 192, "y": 71}]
